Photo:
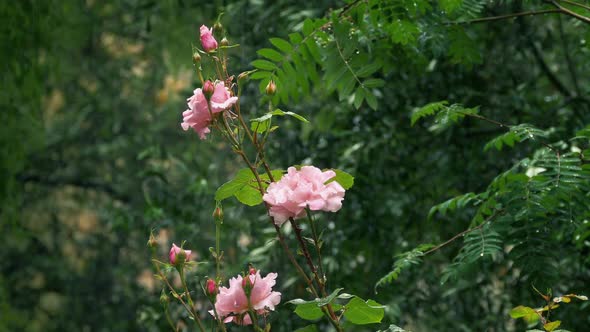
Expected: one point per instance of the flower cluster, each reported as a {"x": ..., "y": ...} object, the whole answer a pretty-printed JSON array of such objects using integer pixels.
[
  {"x": 198, "y": 116},
  {"x": 300, "y": 189},
  {"x": 232, "y": 303}
]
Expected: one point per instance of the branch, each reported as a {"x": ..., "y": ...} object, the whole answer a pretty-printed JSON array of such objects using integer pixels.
[
  {"x": 464, "y": 232},
  {"x": 568, "y": 59},
  {"x": 503, "y": 17},
  {"x": 571, "y": 13},
  {"x": 550, "y": 75},
  {"x": 576, "y": 4}
]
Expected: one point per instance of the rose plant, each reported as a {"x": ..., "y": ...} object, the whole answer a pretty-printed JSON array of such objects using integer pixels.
[{"x": 291, "y": 197}]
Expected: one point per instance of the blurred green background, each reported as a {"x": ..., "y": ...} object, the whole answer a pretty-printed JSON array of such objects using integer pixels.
[{"x": 93, "y": 158}]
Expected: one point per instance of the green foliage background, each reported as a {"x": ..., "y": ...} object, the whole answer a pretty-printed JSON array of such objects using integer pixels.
[{"x": 93, "y": 156}]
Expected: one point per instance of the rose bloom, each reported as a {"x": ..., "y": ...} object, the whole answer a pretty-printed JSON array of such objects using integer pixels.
[
  {"x": 198, "y": 116},
  {"x": 207, "y": 40},
  {"x": 232, "y": 304},
  {"x": 175, "y": 250},
  {"x": 303, "y": 188}
]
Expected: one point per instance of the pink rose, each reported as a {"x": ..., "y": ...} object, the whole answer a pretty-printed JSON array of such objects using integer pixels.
[
  {"x": 174, "y": 252},
  {"x": 232, "y": 303},
  {"x": 207, "y": 40},
  {"x": 198, "y": 115},
  {"x": 303, "y": 188}
]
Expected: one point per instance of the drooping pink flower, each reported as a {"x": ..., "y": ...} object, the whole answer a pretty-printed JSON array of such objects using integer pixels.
[
  {"x": 174, "y": 252},
  {"x": 303, "y": 188},
  {"x": 232, "y": 303},
  {"x": 198, "y": 115},
  {"x": 207, "y": 40}
]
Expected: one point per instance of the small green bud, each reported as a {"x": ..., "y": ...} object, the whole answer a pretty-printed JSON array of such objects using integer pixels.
[
  {"x": 196, "y": 57},
  {"x": 218, "y": 27}
]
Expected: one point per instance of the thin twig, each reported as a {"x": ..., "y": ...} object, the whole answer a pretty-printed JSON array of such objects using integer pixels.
[
  {"x": 566, "y": 11},
  {"x": 507, "y": 16},
  {"x": 568, "y": 59},
  {"x": 467, "y": 231},
  {"x": 346, "y": 63},
  {"x": 576, "y": 4}
]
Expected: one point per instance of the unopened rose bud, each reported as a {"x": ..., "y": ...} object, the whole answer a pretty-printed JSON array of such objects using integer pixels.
[
  {"x": 207, "y": 40},
  {"x": 164, "y": 299},
  {"x": 218, "y": 213},
  {"x": 211, "y": 288},
  {"x": 196, "y": 57},
  {"x": 208, "y": 89},
  {"x": 152, "y": 242},
  {"x": 224, "y": 42},
  {"x": 242, "y": 76},
  {"x": 252, "y": 271},
  {"x": 271, "y": 88},
  {"x": 178, "y": 255}
]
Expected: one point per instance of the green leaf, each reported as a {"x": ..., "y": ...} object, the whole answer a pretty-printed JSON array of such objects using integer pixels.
[
  {"x": 309, "y": 311},
  {"x": 359, "y": 96},
  {"x": 270, "y": 54},
  {"x": 450, "y": 6},
  {"x": 526, "y": 313},
  {"x": 307, "y": 26},
  {"x": 404, "y": 261},
  {"x": 552, "y": 325},
  {"x": 373, "y": 83},
  {"x": 403, "y": 32},
  {"x": 368, "y": 70},
  {"x": 227, "y": 190},
  {"x": 264, "y": 64},
  {"x": 281, "y": 44},
  {"x": 249, "y": 196},
  {"x": 427, "y": 110},
  {"x": 371, "y": 100},
  {"x": 260, "y": 75},
  {"x": 360, "y": 312},
  {"x": 260, "y": 125},
  {"x": 308, "y": 328},
  {"x": 344, "y": 179},
  {"x": 245, "y": 187},
  {"x": 325, "y": 300},
  {"x": 393, "y": 328},
  {"x": 463, "y": 49}
]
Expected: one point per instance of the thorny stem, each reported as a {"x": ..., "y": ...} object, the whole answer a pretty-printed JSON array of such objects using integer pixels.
[
  {"x": 169, "y": 319},
  {"x": 190, "y": 300},
  {"x": 331, "y": 315},
  {"x": 277, "y": 229},
  {"x": 217, "y": 318},
  {"x": 177, "y": 296},
  {"x": 316, "y": 244},
  {"x": 217, "y": 246},
  {"x": 260, "y": 152},
  {"x": 306, "y": 254}
]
